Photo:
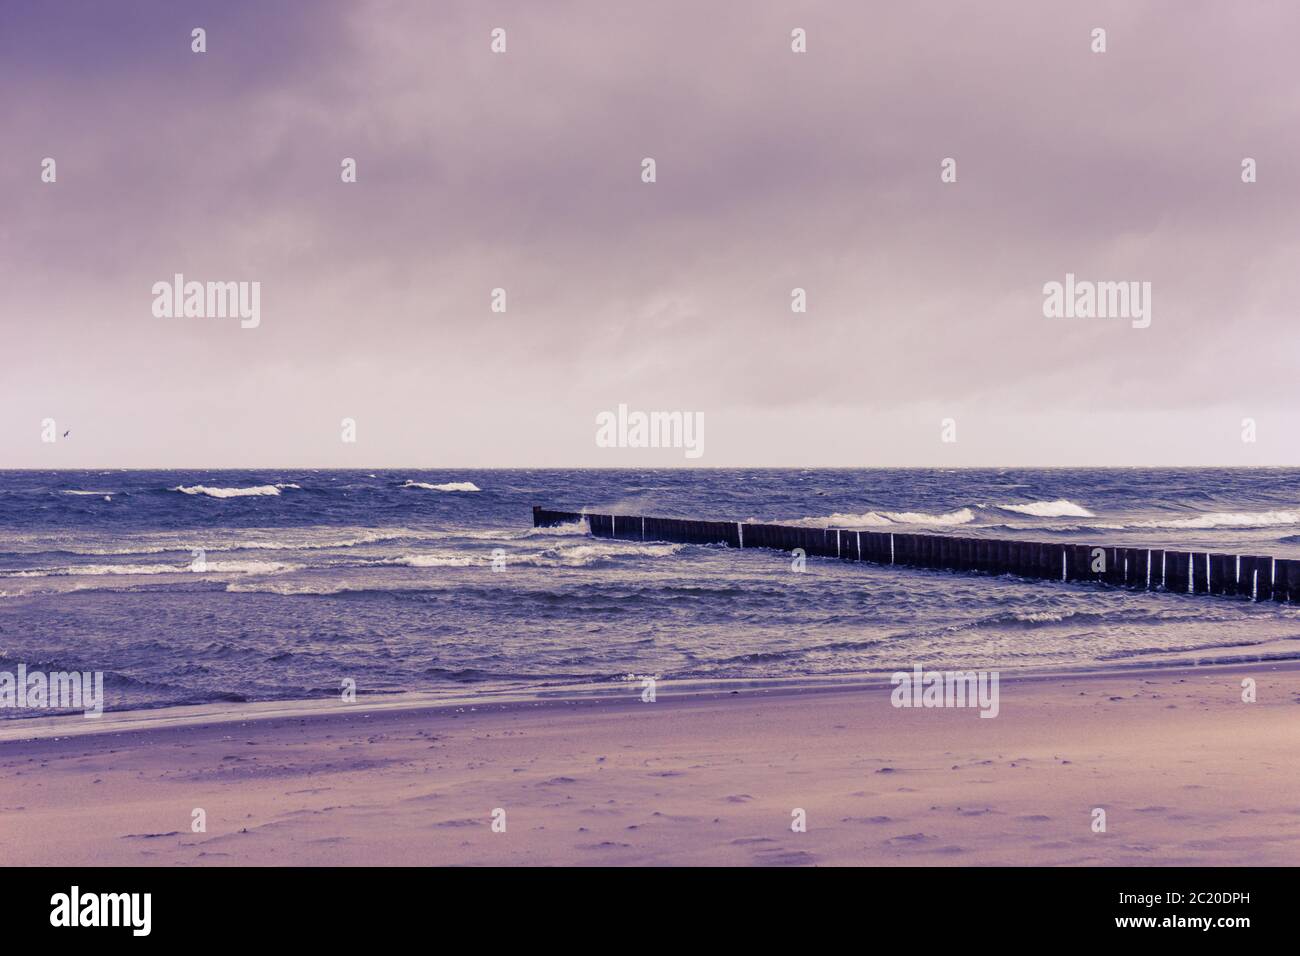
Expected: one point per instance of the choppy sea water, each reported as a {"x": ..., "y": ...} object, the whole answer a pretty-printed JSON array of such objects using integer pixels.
[{"x": 387, "y": 577}]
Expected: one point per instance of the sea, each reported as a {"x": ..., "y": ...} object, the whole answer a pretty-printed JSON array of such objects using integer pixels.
[{"x": 196, "y": 587}]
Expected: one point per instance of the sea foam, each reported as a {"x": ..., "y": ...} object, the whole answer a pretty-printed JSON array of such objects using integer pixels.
[
  {"x": 449, "y": 486},
  {"x": 885, "y": 519},
  {"x": 1225, "y": 519},
  {"x": 1061, "y": 508},
  {"x": 254, "y": 491},
  {"x": 211, "y": 567}
]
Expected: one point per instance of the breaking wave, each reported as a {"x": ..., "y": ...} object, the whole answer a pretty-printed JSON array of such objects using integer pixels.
[
  {"x": 211, "y": 567},
  {"x": 884, "y": 519},
  {"x": 449, "y": 486},
  {"x": 1060, "y": 508},
  {"x": 584, "y": 554},
  {"x": 431, "y": 561},
  {"x": 254, "y": 491},
  {"x": 567, "y": 555},
  {"x": 1225, "y": 519}
]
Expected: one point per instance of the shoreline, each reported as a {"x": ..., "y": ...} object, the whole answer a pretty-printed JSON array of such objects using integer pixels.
[
  {"x": 1186, "y": 771},
  {"x": 35, "y": 728}
]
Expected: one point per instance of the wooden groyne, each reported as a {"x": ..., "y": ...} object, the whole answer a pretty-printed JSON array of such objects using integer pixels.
[{"x": 1249, "y": 576}]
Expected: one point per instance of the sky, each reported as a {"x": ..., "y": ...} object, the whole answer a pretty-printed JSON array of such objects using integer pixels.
[{"x": 774, "y": 170}]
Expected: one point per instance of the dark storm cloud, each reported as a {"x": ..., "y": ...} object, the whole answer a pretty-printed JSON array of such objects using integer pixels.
[{"x": 776, "y": 170}]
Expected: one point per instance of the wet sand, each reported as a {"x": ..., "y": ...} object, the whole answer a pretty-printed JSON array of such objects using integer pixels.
[{"x": 1186, "y": 772}]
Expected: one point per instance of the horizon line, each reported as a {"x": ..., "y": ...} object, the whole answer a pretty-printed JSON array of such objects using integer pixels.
[{"x": 1183, "y": 467}]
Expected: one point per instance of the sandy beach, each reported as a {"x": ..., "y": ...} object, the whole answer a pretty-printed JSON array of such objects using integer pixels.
[{"x": 1186, "y": 771}]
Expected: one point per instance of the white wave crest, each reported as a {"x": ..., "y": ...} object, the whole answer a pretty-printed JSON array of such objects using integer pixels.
[
  {"x": 249, "y": 567},
  {"x": 431, "y": 561},
  {"x": 960, "y": 516},
  {"x": 449, "y": 486},
  {"x": 1041, "y": 617},
  {"x": 290, "y": 589},
  {"x": 97, "y": 569},
  {"x": 567, "y": 555},
  {"x": 91, "y": 494},
  {"x": 884, "y": 519},
  {"x": 311, "y": 539},
  {"x": 344, "y": 538},
  {"x": 255, "y": 491},
  {"x": 581, "y": 555},
  {"x": 868, "y": 520},
  {"x": 1061, "y": 508},
  {"x": 1225, "y": 519},
  {"x": 212, "y": 567},
  {"x": 572, "y": 528}
]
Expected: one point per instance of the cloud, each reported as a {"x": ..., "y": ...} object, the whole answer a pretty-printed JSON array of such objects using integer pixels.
[{"x": 775, "y": 170}]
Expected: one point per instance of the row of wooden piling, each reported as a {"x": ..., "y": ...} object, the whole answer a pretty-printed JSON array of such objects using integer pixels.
[{"x": 1255, "y": 577}]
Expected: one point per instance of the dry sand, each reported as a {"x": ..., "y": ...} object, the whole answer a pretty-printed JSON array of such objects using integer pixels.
[{"x": 1186, "y": 772}]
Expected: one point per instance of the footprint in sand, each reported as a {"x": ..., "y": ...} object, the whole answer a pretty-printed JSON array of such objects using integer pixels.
[
  {"x": 150, "y": 836},
  {"x": 785, "y": 858}
]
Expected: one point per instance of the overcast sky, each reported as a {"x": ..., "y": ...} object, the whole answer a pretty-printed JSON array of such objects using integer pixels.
[{"x": 522, "y": 171}]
